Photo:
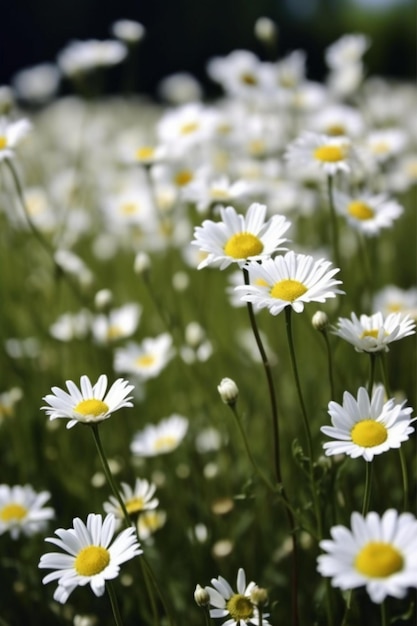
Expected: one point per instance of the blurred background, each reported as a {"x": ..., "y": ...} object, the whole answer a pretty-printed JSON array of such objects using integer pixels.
[{"x": 183, "y": 34}]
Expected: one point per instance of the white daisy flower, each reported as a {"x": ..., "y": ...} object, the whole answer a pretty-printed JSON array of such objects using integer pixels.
[
  {"x": 321, "y": 153},
  {"x": 368, "y": 213},
  {"x": 366, "y": 426},
  {"x": 160, "y": 438},
  {"x": 338, "y": 119},
  {"x": 373, "y": 333},
  {"x": 238, "y": 238},
  {"x": 8, "y": 400},
  {"x": 237, "y": 607},
  {"x": 137, "y": 499},
  {"x": 89, "y": 404},
  {"x": 383, "y": 144},
  {"x": 149, "y": 522},
  {"x": 22, "y": 510},
  {"x": 393, "y": 299},
  {"x": 378, "y": 552},
  {"x": 116, "y": 324},
  {"x": 147, "y": 359},
  {"x": 290, "y": 280},
  {"x": 91, "y": 557},
  {"x": 81, "y": 57},
  {"x": 240, "y": 73},
  {"x": 11, "y": 133},
  {"x": 347, "y": 50}
]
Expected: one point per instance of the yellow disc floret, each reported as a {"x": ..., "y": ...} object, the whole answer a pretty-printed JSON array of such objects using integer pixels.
[
  {"x": 243, "y": 245},
  {"x": 91, "y": 407},
  {"x": 134, "y": 505},
  {"x": 288, "y": 290},
  {"x": 3, "y": 142},
  {"x": 378, "y": 559},
  {"x": 360, "y": 210},
  {"x": 145, "y": 360},
  {"x": 13, "y": 512},
  {"x": 91, "y": 560},
  {"x": 240, "y": 607},
  {"x": 369, "y": 433},
  {"x": 330, "y": 153}
]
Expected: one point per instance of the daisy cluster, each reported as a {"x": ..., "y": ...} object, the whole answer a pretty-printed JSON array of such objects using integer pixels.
[{"x": 153, "y": 251}]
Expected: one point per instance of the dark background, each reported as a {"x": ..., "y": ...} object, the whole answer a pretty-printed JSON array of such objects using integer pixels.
[{"x": 183, "y": 34}]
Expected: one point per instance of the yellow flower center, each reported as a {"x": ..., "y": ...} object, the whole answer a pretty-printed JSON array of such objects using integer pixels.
[
  {"x": 260, "y": 282},
  {"x": 145, "y": 360},
  {"x": 334, "y": 130},
  {"x": 134, "y": 505},
  {"x": 248, "y": 79},
  {"x": 164, "y": 442},
  {"x": 183, "y": 177},
  {"x": 239, "y": 607},
  {"x": 144, "y": 153},
  {"x": 91, "y": 407},
  {"x": 129, "y": 208},
  {"x": 368, "y": 433},
  {"x": 288, "y": 290},
  {"x": 370, "y": 333},
  {"x": 378, "y": 560},
  {"x": 114, "y": 331},
  {"x": 3, "y": 142},
  {"x": 13, "y": 512},
  {"x": 330, "y": 154},
  {"x": 91, "y": 560},
  {"x": 219, "y": 194},
  {"x": 381, "y": 147},
  {"x": 360, "y": 210},
  {"x": 187, "y": 129},
  {"x": 243, "y": 245},
  {"x": 257, "y": 146}
]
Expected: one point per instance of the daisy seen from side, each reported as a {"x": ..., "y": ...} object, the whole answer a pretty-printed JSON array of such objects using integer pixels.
[
  {"x": 236, "y": 607},
  {"x": 368, "y": 213},
  {"x": 377, "y": 552},
  {"x": 136, "y": 499},
  {"x": 22, "y": 510},
  {"x": 366, "y": 426},
  {"x": 11, "y": 134},
  {"x": 88, "y": 404},
  {"x": 90, "y": 555},
  {"x": 290, "y": 280},
  {"x": 374, "y": 333},
  {"x": 160, "y": 438},
  {"x": 147, "y": 359},
  {"x": 317, "y": 152},
  {"x": 240, "y": 238}
]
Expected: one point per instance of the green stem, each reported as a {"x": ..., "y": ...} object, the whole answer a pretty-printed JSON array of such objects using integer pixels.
[
  {"x": 277, "y": 458},
  {"x": 367, "y": 491},
  {"x": 404, "y": 476},
  {"x": 114, "y": 604},
  {"x": 329, "y": 364},
  {"x": 333, "y": 222},
  {"x": 372, "y": 359},
  {"x": 384, "y": 617}
]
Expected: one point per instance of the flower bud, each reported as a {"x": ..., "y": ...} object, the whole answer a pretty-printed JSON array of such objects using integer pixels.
[
  {"x": 201, "y": 596},
  {"x": 142, "y": 263},
  {"x": 228, "y": 391},
  {"x": 259, "y": 596},
  {"x": 320, "y": 321},
  {"x": 266, "y": 30}
]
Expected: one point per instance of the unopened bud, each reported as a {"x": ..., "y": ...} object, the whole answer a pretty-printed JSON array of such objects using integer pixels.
[
  {"x": 259, "y": 596},
  {"x": 266, "y": 30},
  {"x": 103, "y": 298},
  {"x": 201, "y": 596},
  {"x": 142, "y": 263},
  {"x": 320, "y": 321},
  {"x": 228, "y": 391}
]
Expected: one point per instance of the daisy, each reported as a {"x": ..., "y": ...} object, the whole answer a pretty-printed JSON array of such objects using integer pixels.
[
  {"x": 149, "y": 522},
  {"x": 366, "y": 426},
  {"x": 160, "y": 438},
  {"x": 378, "y": 552},
  {"x": 137, "y": 499},
  {"x": 347, "y": 50},
  {"x": 147, "y": 359},
  {"x": 118, "y": 324},
  {"x": 81, "y": 57},
  {"x": 393, "y": 299},
  {"x": 89, "y": 404},
  {"x": 11, "y": 133},
  {"x": 90, "y": 555},
  {"x": 368, "y": 213},
  {"x": 241, "y": 74},
  {"x": 290, "y": 280},
  {"x": 373, "y": 333},
  {"x": 238, "y": 238},
  {"x": 237, "y": 607},
  {"x": 22, "y": 511},
  {"x": 320, "y": 152},
  {"x": 8, "y": 400}
]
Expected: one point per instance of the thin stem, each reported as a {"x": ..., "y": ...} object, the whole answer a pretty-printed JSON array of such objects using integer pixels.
[
  {"x": 384, "y": 617},
  {"x": 114, "y": 604},
  {"x": 277, "y": 458},
  {"x": 329, "y": 364},
  {"x": 372, "y": 357},
  {"x": 333, "y": 222},
  {"x": 367, "y": 491},
  {"x": 404, "y": 476}
]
